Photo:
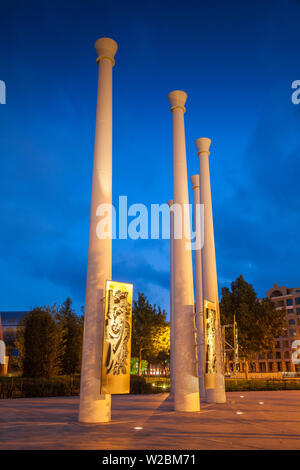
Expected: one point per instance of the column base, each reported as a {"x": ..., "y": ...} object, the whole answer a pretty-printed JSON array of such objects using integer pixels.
[
  {"x": 217, "y": 394},
  {"x": 95, "y": 411},
  {"x": 189, "y": 402}
]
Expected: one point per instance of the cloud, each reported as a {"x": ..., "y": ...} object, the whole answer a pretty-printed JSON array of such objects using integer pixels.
[{"x": 257, "y": 225}]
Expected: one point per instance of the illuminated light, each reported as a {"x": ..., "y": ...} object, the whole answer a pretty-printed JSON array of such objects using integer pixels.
[
  {"x": 242, "y": 396},
  {"x": 260, "y": 402},
  {"x": 153, "y": 385},
  {"x": 138, "y": 428},
  {"x": 164, "y": 386},
  {"x": 239, "y": 413},
  {"x": 117, "y": 333}
]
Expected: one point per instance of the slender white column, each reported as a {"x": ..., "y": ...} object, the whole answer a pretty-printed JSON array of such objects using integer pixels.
[
  {"x": 210, "y": 281},
  {"x": 94, "y": 407},
  {"x": 186, "y": 392},
  {"x": 195, "y": 179},
  {"x": 172, "y": 296}
]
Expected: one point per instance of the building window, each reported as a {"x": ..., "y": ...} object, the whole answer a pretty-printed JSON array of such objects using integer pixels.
[
  {"x": 278, "y": 355},
  {"x": 270, "y": 355},
  {"x": 297, "y": 300},
  {"x": 287, "y": 366},
  {"x": 270, "y": 366},
  {"x": 262, "y": 367},
  {"x": 292, "y": 322},
  {"x": 290, "y": 311},
  {"x": 292, "y": 332},
  {"x": 290, "y": 301},
  {"x": 285, "y": 344},
  {"x": 279, "y": 368},
  {"x": 278, "y": 343},
  {"x": 286, "y": 354},
  {"x": 298, "y": 311}
]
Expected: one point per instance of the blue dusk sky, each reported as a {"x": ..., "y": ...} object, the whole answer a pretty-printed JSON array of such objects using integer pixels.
[{"x": 236, "y": 60}]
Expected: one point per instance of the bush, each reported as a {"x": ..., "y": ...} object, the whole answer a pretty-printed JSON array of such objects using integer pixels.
[
  {"x": 239, "y": 385},
  {"x": 21, "y": 387},
  {"x": 65, "y": 386},
  {"x": 139, "y": 385},
  {"x": 41, "y": 341}
]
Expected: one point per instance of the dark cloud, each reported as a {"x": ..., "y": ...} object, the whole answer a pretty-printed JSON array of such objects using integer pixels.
[{"x": 257, "y": 227}]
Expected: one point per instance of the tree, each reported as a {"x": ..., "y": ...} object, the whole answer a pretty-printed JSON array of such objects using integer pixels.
[
  {"x": 71, "y": 327},
  {"x": 259, "y": 323},
  {"x": 150, "y": 330},
  {"x": 41, "y": 344}
]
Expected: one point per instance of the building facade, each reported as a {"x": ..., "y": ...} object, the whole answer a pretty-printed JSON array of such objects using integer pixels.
[{"x": 281, "y": 360}]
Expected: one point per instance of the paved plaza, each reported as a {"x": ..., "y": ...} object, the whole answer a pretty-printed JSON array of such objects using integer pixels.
[{"x": 249, "y": 420}]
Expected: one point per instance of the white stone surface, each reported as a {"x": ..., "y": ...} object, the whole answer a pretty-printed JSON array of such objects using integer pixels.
[
  {"x": 96, "y": 408},
  {"x": 186, "y": 391},
  {"x": 170, "y": 203},
  {"x": 195, "y": 179},
  {"x": 2, "y": 352},
  {"x": 209, "y": 271}
]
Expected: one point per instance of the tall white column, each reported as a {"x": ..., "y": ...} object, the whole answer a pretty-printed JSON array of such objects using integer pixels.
[
  {"x": 186, "y": 392},
  {"x": 170, "y": 203},
  {"x": 210, "y": 281},
  {"x": 94, "y": 407},
  {"x": 195, "y": 179}
]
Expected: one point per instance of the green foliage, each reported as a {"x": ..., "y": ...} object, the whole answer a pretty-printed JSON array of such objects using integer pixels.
[
  {"x": 239, "y": 385},
  {"x": 139, "y": 385},
  {"x": 259, "y": 323},
  {"x": 134, "y": 365},
  {"x": 49, "y": 341},
  {"x": 65, "y": 386},
  {"x": 159, "y": 384},
  {"x": 41, "y": 344},
  {"x": 23, "y": 387},
  {"x": 71, "y": 331},
  {"x": 150, "y": 331}
]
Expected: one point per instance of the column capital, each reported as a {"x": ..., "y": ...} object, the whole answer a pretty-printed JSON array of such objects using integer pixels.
[
  {"x": 195, "y": 179},
  {"x": 177, "y": 99},
  {"x": 170, "y": 202},
  {"x": 106, "y": 49},
  {"x": 203, "y": 145}
]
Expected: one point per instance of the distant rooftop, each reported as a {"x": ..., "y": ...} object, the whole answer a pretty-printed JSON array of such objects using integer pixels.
[{"x": 278, "y": 291}]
